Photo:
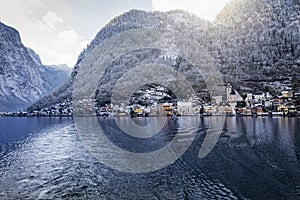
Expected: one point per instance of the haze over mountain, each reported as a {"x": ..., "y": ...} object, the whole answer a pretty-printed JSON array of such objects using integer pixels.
[
  {"x": 23, "y": 77},
  {"x": 253, "y": 42}
]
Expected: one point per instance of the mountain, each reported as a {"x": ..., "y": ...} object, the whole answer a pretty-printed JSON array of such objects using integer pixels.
[
  {"x": 177, "y": 20},
  {"x": 257, "y": 42},
  {"x": 254, "y": 43},
  {"x": 23, "y": 77}
]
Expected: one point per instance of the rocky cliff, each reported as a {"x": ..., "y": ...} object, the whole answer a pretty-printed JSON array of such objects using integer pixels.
[{"x": 23, "y": 77}]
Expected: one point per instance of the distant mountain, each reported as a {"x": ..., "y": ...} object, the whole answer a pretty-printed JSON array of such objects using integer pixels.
[
  {"x": 253, "y": 42},
  {"x": 62, "y": 67},
  {"x": 23, "y": 77}
]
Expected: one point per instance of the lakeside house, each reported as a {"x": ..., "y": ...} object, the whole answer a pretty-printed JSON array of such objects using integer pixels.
[
  {"x": 185, "y": 108},
  {"x": 166, "y": 109}
]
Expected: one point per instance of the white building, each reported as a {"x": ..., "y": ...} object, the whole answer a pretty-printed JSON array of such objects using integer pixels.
[
  {"x": 217, "y": 100},
  {"x": 185, "y": 108},
  {"x": 249, "y": 96}
]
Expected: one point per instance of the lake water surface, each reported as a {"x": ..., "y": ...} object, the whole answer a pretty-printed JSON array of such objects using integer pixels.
[{"x": 254, "y": 158}]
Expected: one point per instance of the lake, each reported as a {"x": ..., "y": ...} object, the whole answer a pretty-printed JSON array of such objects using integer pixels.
[{"x": 254, "y": 158}]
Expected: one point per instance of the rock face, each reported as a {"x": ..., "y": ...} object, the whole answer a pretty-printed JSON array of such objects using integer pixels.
[
  {"x": 23, "y": 77},
  {"x": 252, "y": 42}
]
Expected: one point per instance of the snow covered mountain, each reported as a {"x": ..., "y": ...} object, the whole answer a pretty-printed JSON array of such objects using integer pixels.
[
  {"x": 253, "y": 43},
  {"x": 23, "y": 77}
]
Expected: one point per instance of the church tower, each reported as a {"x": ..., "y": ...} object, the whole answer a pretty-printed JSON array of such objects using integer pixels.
[{"x": 228, "y": 91}]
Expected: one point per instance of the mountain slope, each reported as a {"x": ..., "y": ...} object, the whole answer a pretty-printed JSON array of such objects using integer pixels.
[
  {"x": 177, "y": 20},
  {"x": 23, "y": 78},
  {"x": 258, "y": 40}
]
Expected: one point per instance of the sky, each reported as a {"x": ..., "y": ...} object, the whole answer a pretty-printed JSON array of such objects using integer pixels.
[{"x": 58, "y": 30}]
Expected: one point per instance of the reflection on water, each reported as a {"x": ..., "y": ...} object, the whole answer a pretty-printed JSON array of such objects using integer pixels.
[{"x": 255, "y": 158}]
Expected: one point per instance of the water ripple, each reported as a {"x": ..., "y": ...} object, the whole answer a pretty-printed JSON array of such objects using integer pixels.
[{"x": 53, "y": 164}]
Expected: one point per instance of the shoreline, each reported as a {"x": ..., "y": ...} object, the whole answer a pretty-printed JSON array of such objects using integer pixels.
[{"x": 120, "y": 116}]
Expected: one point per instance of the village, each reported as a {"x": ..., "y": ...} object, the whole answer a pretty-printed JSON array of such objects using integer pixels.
[{"x": 157, "y": 101}]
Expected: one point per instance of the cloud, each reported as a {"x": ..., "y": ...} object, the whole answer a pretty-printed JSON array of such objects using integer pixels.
[
  {"x": 68, "y": 36},
  {"x": 61, "y": 47},
  {"x": 51, "y": 19},
  {"x": 207, "y": 9}
]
